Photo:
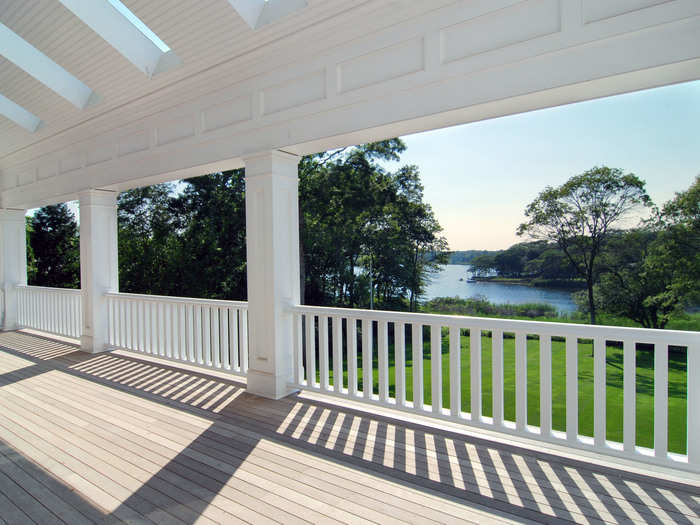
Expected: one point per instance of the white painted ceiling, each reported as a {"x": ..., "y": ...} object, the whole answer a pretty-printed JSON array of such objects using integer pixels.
[{"x": 216, "y": 46}]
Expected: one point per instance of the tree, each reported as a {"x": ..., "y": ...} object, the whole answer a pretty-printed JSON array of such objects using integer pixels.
[
  {"x": 31, "y": 261},
  {"x": 677, "y": 248},
  {"x": 147, "y": 228},
  {"x": 631, "y": 284},
  {"x": 484, "y": 264},
  {"x": 54, "y": 241},
  {"x": 579, "y": 214},
  {"x": 210, "y": 258},
  {"x": 365, "y": 232}
]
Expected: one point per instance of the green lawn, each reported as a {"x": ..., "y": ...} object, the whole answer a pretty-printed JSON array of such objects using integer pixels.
[{"x": 614, "y": 390}]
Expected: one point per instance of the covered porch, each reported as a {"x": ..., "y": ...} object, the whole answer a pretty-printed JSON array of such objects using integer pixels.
[
  {"x": 118, "y": 437},
  {"x": 141, "y": 408}
]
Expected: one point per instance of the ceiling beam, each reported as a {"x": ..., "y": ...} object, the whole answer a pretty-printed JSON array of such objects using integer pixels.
[
  {"x": 258, "y": 13},
  {"x": 37, "y": 64},
  {"x": 119, "y": 29},
  {"x": 19, "y": 115}
]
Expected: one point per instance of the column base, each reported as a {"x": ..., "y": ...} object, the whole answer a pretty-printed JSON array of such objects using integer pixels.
[
  {"x": 268, "y": 385},
  {"x": 88, "y": 345}
]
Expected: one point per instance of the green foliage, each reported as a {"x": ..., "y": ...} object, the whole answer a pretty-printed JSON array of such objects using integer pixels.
[
  {"x": 532, "y": 260},
  {"x": 355, "y": 216},
  {"x": 467, "y": 256},
  {"x": 54, "y": 248},
  {"x": 650, "y": 274},
  {"x": 579, "y": 214},
  {"x": 365, "y": 233},
  {"x": 676, "y": 251},
  {"x": 31, "y": 260},
  {"x": 146, "y": 239},
  {"x": 187, "y": 244},
  {"x": 481, "y": 307}
]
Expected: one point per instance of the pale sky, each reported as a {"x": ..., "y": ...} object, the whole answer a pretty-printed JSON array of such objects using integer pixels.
[{"x": 479, "y": 177}]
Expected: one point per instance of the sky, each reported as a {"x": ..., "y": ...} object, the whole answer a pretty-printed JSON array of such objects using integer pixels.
[{"x": 479, "y": 177}]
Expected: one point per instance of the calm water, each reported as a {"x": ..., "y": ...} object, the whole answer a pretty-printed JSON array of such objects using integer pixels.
[{"x": 447, "y": 284}]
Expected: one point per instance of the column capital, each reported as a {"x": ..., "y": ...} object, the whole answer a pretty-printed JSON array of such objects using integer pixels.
[
  {"x": 268, "y": 162},
  {"x": 98, "y": 198},
  {"x": 12, "y": 215}
]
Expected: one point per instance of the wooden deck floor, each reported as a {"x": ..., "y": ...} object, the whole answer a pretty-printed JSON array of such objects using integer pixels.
[{"x": 113, "y": 438}]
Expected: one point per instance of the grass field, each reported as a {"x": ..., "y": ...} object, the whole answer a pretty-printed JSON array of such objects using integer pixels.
[{"x": 614, "y": 390}]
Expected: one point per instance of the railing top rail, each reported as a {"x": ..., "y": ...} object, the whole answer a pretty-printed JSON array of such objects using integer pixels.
[
  {"x": 183, "y": 300},
  {"x": 612, "y": 333},
  {"x": 50, "y": 289}
]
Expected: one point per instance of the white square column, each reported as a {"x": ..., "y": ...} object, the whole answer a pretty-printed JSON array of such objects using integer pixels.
[
  {"x": 272, "y": 232},
  {"x": 13, "y": 264},
  {"x": 99, "y": 264}
]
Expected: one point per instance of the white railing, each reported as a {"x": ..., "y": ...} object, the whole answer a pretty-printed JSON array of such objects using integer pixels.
[
  {"x": 202, "y": 332},
  {"x": 53, "y": 310},
  {"x": 375, "y": 355}
]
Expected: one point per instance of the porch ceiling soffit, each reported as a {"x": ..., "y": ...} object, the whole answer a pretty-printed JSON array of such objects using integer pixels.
[
  {"x": 213, "y": 43},
  {"x": 445, "y": 67}
]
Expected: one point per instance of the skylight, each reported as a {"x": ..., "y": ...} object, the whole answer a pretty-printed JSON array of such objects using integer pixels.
[{"x": 126, "y": 33}]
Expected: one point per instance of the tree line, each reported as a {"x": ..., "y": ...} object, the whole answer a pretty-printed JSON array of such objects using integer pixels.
[
  {"x": 646, "y": 273},
  {"x": 365, "y": 232}
]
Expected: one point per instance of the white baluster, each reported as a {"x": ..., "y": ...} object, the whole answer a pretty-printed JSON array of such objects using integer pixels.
[
  {"x": 417, "y": 365},
  {"x": 629, "y": 385},
  {"x": 436, "y": 367},
  {"x": 243, "y": 330},
  {"x": 455, "y": 371},
  {"x": 337, "y": 354},
  {"x": 298, "y": 363},
  {"x": 400, "y": 362},
  {"x": 599, "y": 351},
  {"x": 310, "y": 351},
  {"x": 198, "y": 334},
  {"x": 323, "y": 351},
  {"x": 571, "y": 389},
  {"x": 383, "y": 360},
  {"x": 233, "y": 337},
  {"x": 693, "y": 408},
  {"x": 545, "y": 386},
  {"x": 367, "y": 365},
  {"x": 224, "y": 333},
  {"x": 521, "y": 381},
  {"x": 206, "y": 334},
  {"x": 497, "y": 376},
  {"x": 352, "y": 356},
  {"x": 475, "y": 372},
  {"x": 661, "y": 401}
]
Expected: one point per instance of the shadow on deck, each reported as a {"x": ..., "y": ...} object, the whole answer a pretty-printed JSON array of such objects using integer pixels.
[{"x": 111, "y": 438}]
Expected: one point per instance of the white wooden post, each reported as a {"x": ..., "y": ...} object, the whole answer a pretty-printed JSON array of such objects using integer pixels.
[
  {"x": 99, "y": 271},
  {"x": 13, "y": 264},
  {"x": 272, "y": 228}
]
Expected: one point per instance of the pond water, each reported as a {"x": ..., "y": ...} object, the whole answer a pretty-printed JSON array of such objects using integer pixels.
[{"x": 447, "y": 284}]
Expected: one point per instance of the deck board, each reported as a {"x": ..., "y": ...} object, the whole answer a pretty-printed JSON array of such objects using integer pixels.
[{"x": 111, "y": 438}]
